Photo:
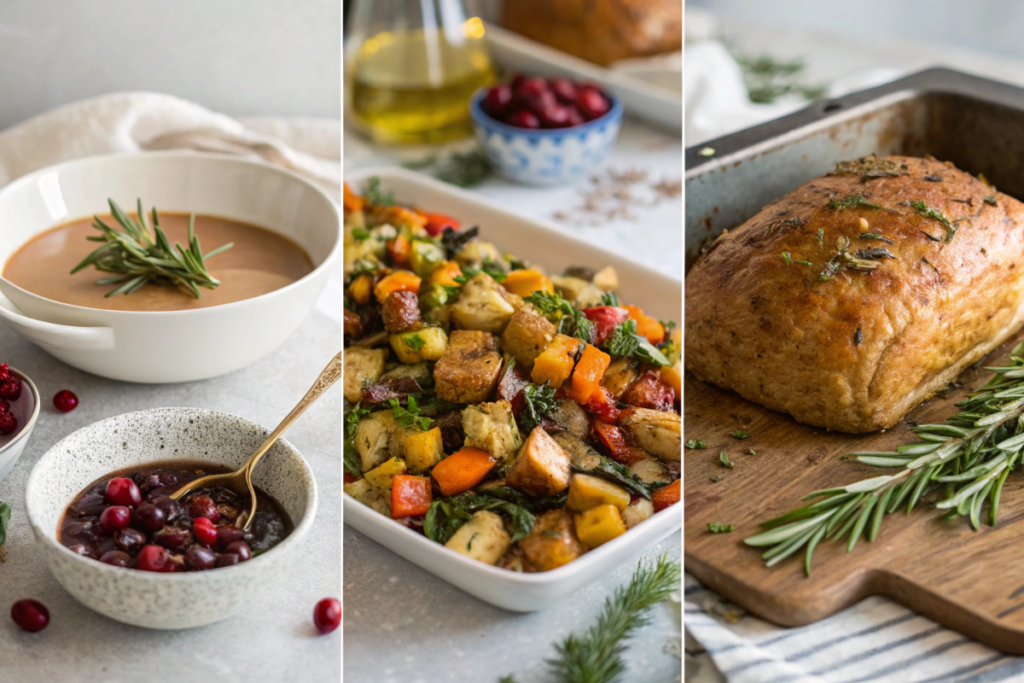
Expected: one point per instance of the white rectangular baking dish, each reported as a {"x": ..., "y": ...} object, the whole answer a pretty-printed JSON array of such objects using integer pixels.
[
  {"x": 643, "y": 99},
  {"x": 554, "y": 248}
]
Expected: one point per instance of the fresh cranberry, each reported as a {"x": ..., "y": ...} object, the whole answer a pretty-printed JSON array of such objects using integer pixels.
[
  {"x": 555, "y": 116},
  {"x": 4, "y": 406},
  {"x": 517, "y": 83},
  {"x": 200, "y": 558},
  {"x": 150, "y": 516},
  {"x": 538, "y": 104},
  {"x": 116, "y": 558},
  {"x": 130, "y": 540},
  {"x": 575, "y": 117},
  {"x": 173, "y": 538},
  {"x": 115, "y": 518},
  {"x": 564, "y": 90},
  {"x": 11, "y": 389},
  {"x": 227, "y": 560},
  {"x": 30, "y": 615},
  {"x": 523, "y": 119},
  {"x": 327, "y": 615},
  {"x": 203, "y": 506},
  {"x": 171, "y": 508},
  {"x": 65, "y": 401},
  {"x": 226, "y": 535},
  {"x": 123, "y": 491},
  {"x": 497, "y": 100},
  {"x": 153, "y": 558},
  {"x": 592, "y": 103},
  {"x": 5, "y": 372},
  {"x": 204, "y": 531},
  {"x": 8, "y": 423},
  {"x": 240, "y": 548},
  {"x": 530, "y": 87}
]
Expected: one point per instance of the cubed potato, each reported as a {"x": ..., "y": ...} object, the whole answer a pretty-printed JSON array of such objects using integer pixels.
[
  {"x": 382, "y": 475},
  {"x": 606, "y": 279},
  {"x": 651, "y": 471},
  {"x": 476, "y": 252},
  {"x": 429, "y": 343},
  {"x": 362, "y": 365},
  {"x": 657, "y": 432},
  {"x": 528, "y": 333},
  {"x": 579, "y": 292},
  {"x": 555, "y": 363},
  {"x": 637, "y": 512},
  {"x": 598, "y": 525},
  {"x": 423, "y": 450},
  {"x": 372, "y": 438},
  {"x": 369, "y": 495},
  {"x": 483, "y": 538},
  {"x": 541, "y": 468},
  {"x": 581, "y": 456},
  {"x": 570, "y": 417},
  {"x": 469, "y": 369},
  {"x": 620, "y": 374},
  {"x": 587, "y": 491},
  {"x": 552, "y": 542},
  {"x": 417, "y": 371},
  {"x": 482, "y": 305},
  {"x": 491, "y": 427},
  {"x": 396, "y": 444}
]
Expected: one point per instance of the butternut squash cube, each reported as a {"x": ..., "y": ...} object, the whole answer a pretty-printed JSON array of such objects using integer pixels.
[
  {"x": 423, "y": 450},
  {"x": 526, "y": 281},
  {"x": 555, "y": 363},
  {"x": 587, "y": 491},
  {"x": 598, "y": 525}
]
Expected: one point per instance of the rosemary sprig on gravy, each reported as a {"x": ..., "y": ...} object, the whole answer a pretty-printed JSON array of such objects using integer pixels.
[{"x": 959, "y": 465}]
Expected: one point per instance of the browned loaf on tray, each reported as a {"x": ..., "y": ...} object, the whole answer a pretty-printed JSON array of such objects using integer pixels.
[
  {"x": 806, "y": 309},
  {"x": 600, "y": 31}
]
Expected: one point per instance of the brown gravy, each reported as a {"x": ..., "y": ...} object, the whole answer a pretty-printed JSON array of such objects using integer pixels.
[{"x": 260, "y": 262}]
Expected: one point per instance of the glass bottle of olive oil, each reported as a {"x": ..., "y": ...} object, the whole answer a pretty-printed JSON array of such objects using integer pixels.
[{"x": 413, "y": 66}]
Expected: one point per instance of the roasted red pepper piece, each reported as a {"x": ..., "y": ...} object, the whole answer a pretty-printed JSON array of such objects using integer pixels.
[
  {"x": 605, "y": 318},
  {"x": 410, "y": 495},
  {"x": 649, "y": 391},
  {"x": 666, "y": 496},
  {"x": 437, "y": 222},
  {"x": 602, "y": 406}
]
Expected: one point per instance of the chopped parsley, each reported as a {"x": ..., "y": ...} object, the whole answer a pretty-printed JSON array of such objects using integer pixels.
[
  {"x": 375, "y": 195},
  {"x": 609, "y": 299},
  {"x": 570, "y": 320},
  {"x": 720, "y": 527},
  {"x": 694, "y": 444},
  {"x": 414, "y": 341},
  {"x": 625, "y": 341},
  {"x": 539, "y": 402},
  {"x": 724, "y": 458},
  {"x": 740, "y": 434},
  {"x": 360, "y": 234},
  {"x": 409, "y": 417}
]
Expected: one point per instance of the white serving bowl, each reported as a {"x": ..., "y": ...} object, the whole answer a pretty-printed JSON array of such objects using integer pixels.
[
  {"x": 12, "y": 450},
  {"x": 167, "y": 601},
  {"x": 168, "y": 346}
]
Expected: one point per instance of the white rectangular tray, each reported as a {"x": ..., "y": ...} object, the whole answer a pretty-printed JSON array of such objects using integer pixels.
[
  {"x": 642, "y": 99},
  {"x": 555, "y": 248}
]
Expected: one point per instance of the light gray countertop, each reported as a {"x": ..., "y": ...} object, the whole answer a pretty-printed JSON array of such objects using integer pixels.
[{"x": 272, "y": 639}]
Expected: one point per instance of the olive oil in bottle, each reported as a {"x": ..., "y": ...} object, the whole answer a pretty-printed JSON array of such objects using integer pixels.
[{"x": 413, "y": 85}]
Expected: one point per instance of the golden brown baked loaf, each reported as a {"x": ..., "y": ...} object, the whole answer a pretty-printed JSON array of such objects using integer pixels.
[
  {"x": 860, "y": 294},
  {"x": 600, "y": 31}
]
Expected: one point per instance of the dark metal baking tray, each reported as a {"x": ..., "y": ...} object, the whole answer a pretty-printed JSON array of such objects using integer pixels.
[{"x": 976, "y": 123}]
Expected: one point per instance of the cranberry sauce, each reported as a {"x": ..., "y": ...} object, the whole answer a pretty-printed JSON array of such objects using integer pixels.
[
  {"x": 15, "y": 410},
  {"x": 127, "y": 519}
]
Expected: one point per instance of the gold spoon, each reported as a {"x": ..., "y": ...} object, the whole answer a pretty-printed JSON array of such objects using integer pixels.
[{"x": 240, "y": 481}]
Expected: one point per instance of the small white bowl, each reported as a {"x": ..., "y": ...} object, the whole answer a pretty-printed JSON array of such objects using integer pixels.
[
  {"x": 167, "y": 601},
  {"x": 12, "y": 450},
  {"x": 168, "y": 346}
]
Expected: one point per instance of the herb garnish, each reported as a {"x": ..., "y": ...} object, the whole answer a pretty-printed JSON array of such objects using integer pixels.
[
  {"x": 870, "y": 167},
  {"x": 375, "y": 195},
  {"x": 609, "y": 299},
  {"x": 360, "y": 234},
  {"x": 821, "y": 237},
  {"x": 929, "y": 212},
  {"x": 874, "y": 236},
  {"x": 720, "y": 527},
  {"x": 447, "y": 515},
  {"x": 787, "y": 258},
  {"x": 351, "y": 460},
  {"x": 864, "y": 259},
  {"x": 539, "y": 402},
  {"x": 965, "y": 460},
  {"x": 464, "y": 169},
  {"x": 409, "y": 417},
  {"x": 751, "y": 451},
  {"x": 858, "y": 337},
  {"x": 723, "y": 457},
  {"x": 740, "y": 434},
  {"x": 414, "y": 342},
  {"x": 625, "y": 341},
  {"x": 139, "y": 257},
  {"x": 612, "y": 471},
  {"x": 854, "y": 201},
  {"x": 875, "y": 253},
  {"x": 693, "y": 444},
  {"x": 570, "y": 320},
  {"x": 455, "y": 241},
  {"x": 991, "y": 199}
]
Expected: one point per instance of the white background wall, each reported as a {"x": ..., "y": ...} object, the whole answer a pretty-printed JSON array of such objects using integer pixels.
[{"x": 239, "y": 57}]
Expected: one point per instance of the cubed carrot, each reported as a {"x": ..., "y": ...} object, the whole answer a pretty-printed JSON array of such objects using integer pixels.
[
  {"x": 462, "y": 470},
  {"x": 445, "y": 274},
  {"x": 555, "y": 363},
  {"x": 352, "y": 201},
  {"x": 410, "y": 495},
  {"x": 398, "y": 250},
  {"x": 586, "y": 378},
  {"x": 666, "y": 496},
  {"x": 399, "y": 281},
  {"x": 527, "y": 281},
  {"x": 646, "y": 326}
]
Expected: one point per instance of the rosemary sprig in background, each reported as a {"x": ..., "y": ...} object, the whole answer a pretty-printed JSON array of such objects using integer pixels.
[
  {"x": 139, "y": 257},
  {"x": 964, "y": 460}
]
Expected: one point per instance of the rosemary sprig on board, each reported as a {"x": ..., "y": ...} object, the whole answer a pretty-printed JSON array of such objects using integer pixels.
[
  {"x": 964, "y": 460},
  {"x": 139, "y": 257}
]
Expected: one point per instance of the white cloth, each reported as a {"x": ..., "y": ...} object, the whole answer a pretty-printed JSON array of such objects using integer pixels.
[{"x": 132, "y": 122}]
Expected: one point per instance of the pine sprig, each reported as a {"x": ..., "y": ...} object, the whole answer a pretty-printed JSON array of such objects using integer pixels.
[
  {"x": 965, "y": 460},
  {"x": 596, "y": 656},
  {"x": 139, "y": 257}
]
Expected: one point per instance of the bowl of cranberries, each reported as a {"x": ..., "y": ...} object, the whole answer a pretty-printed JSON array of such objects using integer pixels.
[
  {"x": 100, "y": 506},
  {"x": 19, "y": 409},
  {"x": 539, "y": 131}
]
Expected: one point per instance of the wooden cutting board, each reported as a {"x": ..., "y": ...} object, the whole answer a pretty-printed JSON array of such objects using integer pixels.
[{"x": 970, "y": 581}]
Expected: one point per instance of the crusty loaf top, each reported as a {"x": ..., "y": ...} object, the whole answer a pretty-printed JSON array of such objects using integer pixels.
[{"x": 843, "y": 300}]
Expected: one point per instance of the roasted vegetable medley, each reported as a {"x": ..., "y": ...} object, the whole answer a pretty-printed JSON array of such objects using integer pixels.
[{"x": 518, "y": 418}]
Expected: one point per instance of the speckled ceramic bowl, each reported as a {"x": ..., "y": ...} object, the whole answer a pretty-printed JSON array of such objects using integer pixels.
[
  {"x": 11, "y": 447},
  {"x": 167, "y": 601}
]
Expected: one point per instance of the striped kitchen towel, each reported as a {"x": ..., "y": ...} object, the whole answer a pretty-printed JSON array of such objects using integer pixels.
[{"x": 875, "y": 640}]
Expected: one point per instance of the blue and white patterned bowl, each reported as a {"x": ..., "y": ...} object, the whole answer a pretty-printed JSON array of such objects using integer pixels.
[
  {"x": 546, "y": 156},
  {"x": 167, "y": 601}
]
